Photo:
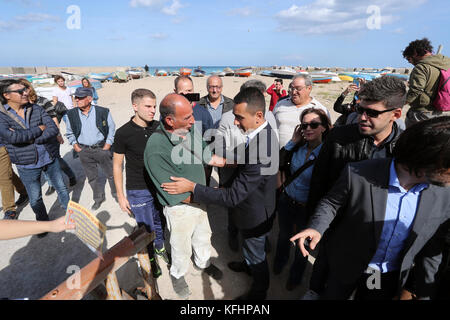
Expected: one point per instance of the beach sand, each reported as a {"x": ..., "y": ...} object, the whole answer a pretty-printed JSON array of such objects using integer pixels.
[{"x": 30, "y": 267}]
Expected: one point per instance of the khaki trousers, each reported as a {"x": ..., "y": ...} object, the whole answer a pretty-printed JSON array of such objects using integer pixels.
[{"x": 8, "y": 182}]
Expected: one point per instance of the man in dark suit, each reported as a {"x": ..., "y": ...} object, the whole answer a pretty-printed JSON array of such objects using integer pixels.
[
  {"x": 396, "y": 213},
  {"x": 252, "y": 192}
]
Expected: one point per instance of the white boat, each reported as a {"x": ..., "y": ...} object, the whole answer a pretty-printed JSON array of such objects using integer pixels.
[
  {"x": 135, "y": 73},
  {"x": 46, "y": 92},
  {"x": 284, "y": 73},
  {"x": 334, "y": 76}
]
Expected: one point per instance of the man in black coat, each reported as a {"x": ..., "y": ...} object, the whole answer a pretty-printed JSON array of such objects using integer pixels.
[
  {"x": 252, "y": 192},
  {"x": 395, "y": 213}
]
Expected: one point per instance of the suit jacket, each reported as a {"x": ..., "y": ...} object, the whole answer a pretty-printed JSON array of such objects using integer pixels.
[
  {"x": 252, "y": 192},
  {"x": 351, "y": 243}
]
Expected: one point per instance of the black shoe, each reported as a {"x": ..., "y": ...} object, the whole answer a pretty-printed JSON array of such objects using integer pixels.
[
  {"x": 163, "y": 254},
  {"x": 72, "y": 182},
  {"x": 156, "y": 269},
  {"x": 42, "y": 235},
  {"x": 11, "y": 215},
  {"x": 50, "y": 191},
  {"x": 97, "y": 204},
  {"x": 233, "y": 242},
  {"x": 213, "y": 272},
  {"x": 240, "y": 267},
  {"x": 22, "y": 201}
]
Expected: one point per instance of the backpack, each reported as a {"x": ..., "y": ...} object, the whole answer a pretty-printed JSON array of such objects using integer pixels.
[{"x": 442, "y": 100}]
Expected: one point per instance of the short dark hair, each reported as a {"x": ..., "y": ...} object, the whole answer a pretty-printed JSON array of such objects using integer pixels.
[
  {"x": 425, "y": 146},
  {"x": 179, "y": 78},
  {"x": 254, "y": 99},
  {"x": 167, "y": 107},
  {"x": 279, "y": 80},
  {"x": 59, "y": 77},
  {"x": 419, "y": 47},
  {"x": 140, "y": 94},
  {"x": 258, "y": 84},
  {"x": 4, "y": 85},
  {"x": 387, "y": 89}
]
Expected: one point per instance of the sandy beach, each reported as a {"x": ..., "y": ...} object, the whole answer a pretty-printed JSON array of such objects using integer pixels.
[{"x": 30, "y": 267}]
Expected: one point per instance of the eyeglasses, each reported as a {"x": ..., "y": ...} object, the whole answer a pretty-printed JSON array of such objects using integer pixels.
[
  {"x": 298, "y": 89},
  {"x": 80, "y": 98},
  {"x": 371, "y": 113},
  {"x": 19, "y": 91},
  {"x": 215, "y": 87},
  {"x": 313, "y": 125}
]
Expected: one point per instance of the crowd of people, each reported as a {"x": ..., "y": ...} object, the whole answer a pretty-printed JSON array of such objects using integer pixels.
[{"x": 369, "y": 197}]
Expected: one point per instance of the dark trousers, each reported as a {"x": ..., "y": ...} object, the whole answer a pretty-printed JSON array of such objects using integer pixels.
[
  {"x": 255, "y": 257},
  {"x": 65, "y": 168},
  {"x": 90, "y": 158},
  {"x": 291, "y": 220},
  {"x": 388, "y": 288}
]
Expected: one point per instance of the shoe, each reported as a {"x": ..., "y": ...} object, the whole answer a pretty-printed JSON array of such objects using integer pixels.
[
  {"x": 240, "y": 267},
  {"x": 42, "y": 235},
  {"x": 49, "y": 191},
  {"x": 156, "y": 270},
  {"x": 267, "y": 246},
  {"x": 22, "y": 201},
  {"x": 11, "y": 215},
  {"x": 163, "y": 254},
  {"x": 233, "y": 242},
  {"x": 97, "y": 204},
  {"x": 72, "y": 182},
  {"x": 213, "y": 272},
  {"x": 180, "y": 287}
]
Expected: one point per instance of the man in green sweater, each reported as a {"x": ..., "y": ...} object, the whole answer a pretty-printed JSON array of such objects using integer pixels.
[
  {"x": 175, "y": 149},
  {"x": 424, "y": 80}
]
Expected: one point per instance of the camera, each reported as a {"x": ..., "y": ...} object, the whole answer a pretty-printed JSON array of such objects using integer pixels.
[{"x": 192, "y": 97}]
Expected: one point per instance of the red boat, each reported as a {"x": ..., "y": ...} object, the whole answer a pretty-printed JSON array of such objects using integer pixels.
[{"x": 185, "y": 72}]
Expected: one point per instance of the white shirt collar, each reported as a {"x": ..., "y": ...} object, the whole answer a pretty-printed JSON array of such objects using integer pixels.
[{"x": 254, "y": 133}]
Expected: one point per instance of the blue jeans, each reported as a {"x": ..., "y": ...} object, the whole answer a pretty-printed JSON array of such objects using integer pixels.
[
  {"x": 291, "y": 220},
  {"x": 146, "y": 213},
  {"x": 31, "y": 179},
  {"x": 65, "y": 168}
]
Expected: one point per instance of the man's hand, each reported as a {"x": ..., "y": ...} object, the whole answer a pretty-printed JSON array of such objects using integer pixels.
[
  {"x": 60, "y": 139},
  {"x": 181, "y": 185},
  {"x": 308, "y": 234},
  {"x": 42, "y": 127},
  {"x": 217, "y": 161},
  {"x": 77, "y": 147},
  {"x": 125, "y": 205},
  {"x": 106, "y": 147}
]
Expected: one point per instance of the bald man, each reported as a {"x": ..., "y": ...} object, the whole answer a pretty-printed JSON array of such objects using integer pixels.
[{"x": 175, "y": 149}]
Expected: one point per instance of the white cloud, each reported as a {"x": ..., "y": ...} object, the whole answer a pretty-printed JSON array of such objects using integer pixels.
[
  {"x": 172, "y": 10},
  {"x": 339, "y": 16},
  {"x": 159, "y": 36}
]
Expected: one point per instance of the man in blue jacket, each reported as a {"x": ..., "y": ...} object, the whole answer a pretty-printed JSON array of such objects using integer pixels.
[{"x": 30, "y": 135}]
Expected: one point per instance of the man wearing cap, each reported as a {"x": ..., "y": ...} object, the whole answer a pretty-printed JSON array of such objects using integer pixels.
[{"x": 90, "y": 130}]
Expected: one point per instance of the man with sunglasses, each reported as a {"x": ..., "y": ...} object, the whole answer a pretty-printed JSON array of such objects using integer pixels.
[
  {"x": 29, "y": 135},
  {"x": 90, "y": 130},
  {"x": 373, "y": 137}
]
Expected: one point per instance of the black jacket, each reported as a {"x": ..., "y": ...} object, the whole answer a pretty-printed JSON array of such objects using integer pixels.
[
  {"x": 343, "y": 145},
  {"x": 251, "y": 195}
]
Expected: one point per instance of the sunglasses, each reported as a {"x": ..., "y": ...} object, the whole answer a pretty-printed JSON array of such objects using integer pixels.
[
  {"x": 370, "y": 112},
  {"x": 20, "y": 91},
  {"x": 313, "y": 125}
]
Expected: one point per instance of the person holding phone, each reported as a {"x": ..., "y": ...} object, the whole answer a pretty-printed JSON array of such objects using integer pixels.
[
  {"x": 304, "y": 147},
  {"x": 347, "y": 109}
]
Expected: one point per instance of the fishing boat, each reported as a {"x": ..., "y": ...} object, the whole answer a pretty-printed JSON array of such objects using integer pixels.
[
  {"x": 120, "y": 76},
  {"x": 228, "y": 72},
  {"x": 345, "y": 77},
  {"x": 321, "y": 78},
  {"x": 198, "y": 72},
  {"x": 100, "y": 76},
  {"x": 161, "y": 73},
  {"x": 243, "y": 72},
  {"x": 284, "y": 73},
  {"x": 136, "y": 73},
  {"x": 185, "y": 72},
  {"x": 219, "y": 73}
]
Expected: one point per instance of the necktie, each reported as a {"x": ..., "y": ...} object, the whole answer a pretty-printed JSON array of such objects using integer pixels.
[{"x": 247, "y": 141}]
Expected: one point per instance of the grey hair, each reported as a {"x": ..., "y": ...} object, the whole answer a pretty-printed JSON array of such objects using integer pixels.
[
  {"x": 211, "y": 77},
  {"x": 254, "y": 84},
  {"x": 306, "y": 77}
]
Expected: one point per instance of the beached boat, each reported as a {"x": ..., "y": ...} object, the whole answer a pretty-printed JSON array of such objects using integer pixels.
[
  {"x": 77, "y": 84},
  {"x": 228, "y": 72},
  {"x": 198, "y": 72},
  {"x": 185, "y": 72},
  {"x": 120, "y": 76},
  {"x": 243, "y": 72},
  {"x": 344, "y": 77},
  {"x": 46, "y": 92},
  {"x": 321, "y": 78},
  {"x": 99, "y": 76},
  {"x": 403, "y": 77},
  {"x": 284, "y": 73},
  {"x": 135, "y": 73},
  {"x": 218, "y": 73},
  {"x": 161, "y": 73}
]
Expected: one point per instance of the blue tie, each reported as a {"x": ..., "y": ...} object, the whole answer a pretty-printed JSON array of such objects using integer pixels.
[{"x": 247, "y": 141}]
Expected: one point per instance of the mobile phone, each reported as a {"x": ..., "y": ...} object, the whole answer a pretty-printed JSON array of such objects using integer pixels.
[{"x": 192, "y": 97}]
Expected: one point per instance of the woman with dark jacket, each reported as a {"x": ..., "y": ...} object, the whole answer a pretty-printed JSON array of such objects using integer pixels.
[{"x": 292, "y": 216}]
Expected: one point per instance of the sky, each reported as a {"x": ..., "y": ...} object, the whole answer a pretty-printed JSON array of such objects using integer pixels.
[{"x": 324, "y": 33}]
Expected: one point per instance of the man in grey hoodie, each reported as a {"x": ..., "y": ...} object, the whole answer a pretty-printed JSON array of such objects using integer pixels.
[{"x": 424, "y": 80}]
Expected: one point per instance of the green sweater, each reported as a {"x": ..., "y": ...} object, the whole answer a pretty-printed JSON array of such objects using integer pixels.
[
  {"x": 168, "y": 155},
  {"x": 424, "y": 82}
]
